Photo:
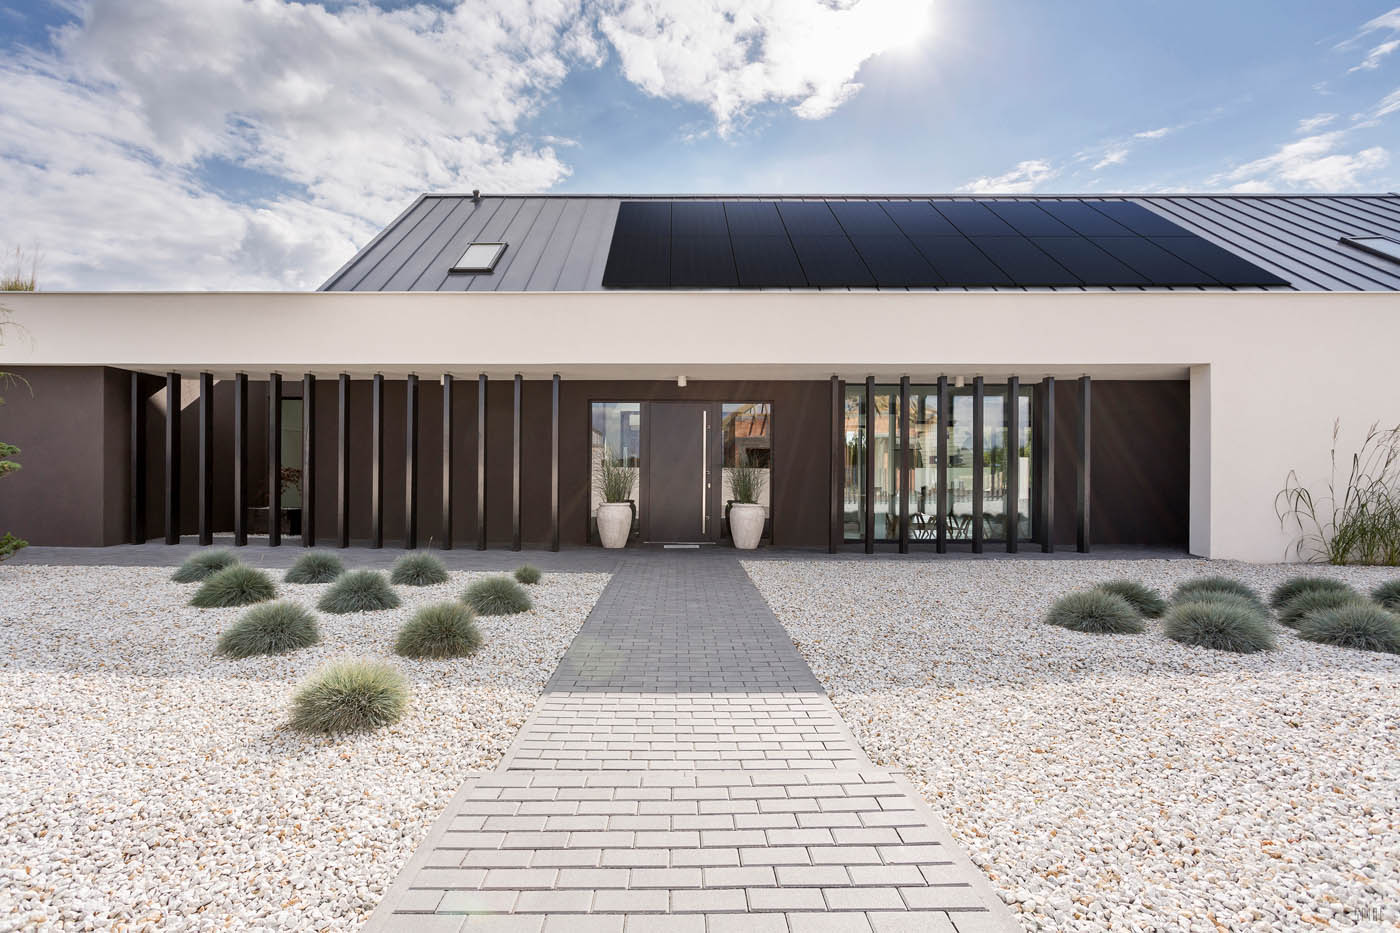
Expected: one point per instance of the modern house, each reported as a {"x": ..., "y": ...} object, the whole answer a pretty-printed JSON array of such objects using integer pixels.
[{"x": 940, "y": 373}]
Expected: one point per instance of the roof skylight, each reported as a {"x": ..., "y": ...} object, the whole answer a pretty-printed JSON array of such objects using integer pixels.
[
  {"x": 479, "y": 257},
  {"x": 1383, "y": 246}
]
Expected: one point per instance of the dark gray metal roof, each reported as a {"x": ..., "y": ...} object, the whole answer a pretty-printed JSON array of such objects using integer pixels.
[{"x": 560, "y": 242}]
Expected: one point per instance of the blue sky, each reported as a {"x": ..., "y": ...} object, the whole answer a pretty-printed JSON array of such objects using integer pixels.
[{"x": 228, "y": 144}]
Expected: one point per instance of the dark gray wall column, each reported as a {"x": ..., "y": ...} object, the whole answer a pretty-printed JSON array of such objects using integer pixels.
[
  {"x": 979, "y": 426},
  {"x": 447, "y": 451},
  {"x": 1013, "y": 463},
  {"x": 410, "y": 505},
  {"x": 837, "y": 451},
  {"x": 1082, "y": 486},
  {"x": 274, "y": 460},
  {"x": 554, "y": 464},
  {"x": 240, "y": 459},
  {"x": 308, "y": 460},
  {"x": 515, "y": 468},
  {"x": 206, "y": 458},
  {"x": 172, "y": 458},
  {"x": 376, "y": 465},
  {"x": 136, "y": 531},
  {"x": 342, "y": 465},
  {"x": 1047, "y": 472},
  {"x": 481, "y": 462}
]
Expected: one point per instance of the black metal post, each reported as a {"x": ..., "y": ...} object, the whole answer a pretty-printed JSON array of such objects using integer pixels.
[
  {"x": 554, "y": 465},
  {"x": 979, "y": 426},
  {"x": 308, "y": 460},
  {"x": 342, "y": 462},
  {"x": 410, "y": 502},
  {"x": 376, "y": 463},
  {"x": 172, "y": 458},
  {"x": 869, "y": 503},
  {"x": 240, "y": 459},
  {"x": 447, "y": 445},
  {"x": 1013, "y": 464},
  {"x": 1047, "y": 469},
  {"x": 137, "y": 503},
  {"x": 515, "y": 466},
  {"x": 1082, "y": 489},
  {"x": 904, "y": 465},
  {"x": 481, "y": 462},
  {"x": 838, "y": 459},
  {"x": 206, "y": 458},
  {"x": 945, "y": 408},
  {"x": 274, "y": 460}
]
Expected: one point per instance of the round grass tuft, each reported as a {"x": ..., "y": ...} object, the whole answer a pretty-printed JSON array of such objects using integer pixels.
[
  {"x": 358, "y": 591},
  {"x": 1307, "y": 602},
  {"x": 315, "y": 567},
  {"x": 236, "y": 585},
  {"x": 203, "y": 565},
  {"x": 1147, "y": 601},
  {"x": 1388, "y": 595},
  {"x": 1207, "y": 588},
  {"x": 442, "y": 630},
  {"x": 528, "y": 575},
  {"x": 418, "y": 570},
  {"x": 271, "y": 628},
  {"x": 1355, "y": 625},
  {"x": 1221, "y": 622},
  {"x": 1096, "y": 611},
  {"x": 1296, "y": 586},
  {"x": 350, "y": 696},
  {"x": 497, "y": 596}
]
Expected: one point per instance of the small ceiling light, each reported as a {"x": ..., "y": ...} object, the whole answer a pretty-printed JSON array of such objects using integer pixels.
[
  {"x": 958, "y": 382},
  {"x": 680, "y": 381}
]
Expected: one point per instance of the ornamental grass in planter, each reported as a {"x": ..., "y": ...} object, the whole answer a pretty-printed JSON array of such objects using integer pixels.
[
  {"x": 1296, "y": 586},
  {"x": 1097, "y": 612},
  {"x": 1147, "y": 601},
  {"x": 315, "y": 567},
  {"x": 359, "y": 591},
  {"x": 1307, "y": 602},
  {"x": 443, "y": 630},
  {"x": 1221, "y": 622},
  {"x": 418, "y": 570},
  {"x": 1361, "y": 626},
  {"x": 269, "y": 628},
  {"x": 203, "y": 565},
  {"x": 350, "y": 696},
  {"x": 236, "y": 585},
  {"x": 497, "y": 596}
]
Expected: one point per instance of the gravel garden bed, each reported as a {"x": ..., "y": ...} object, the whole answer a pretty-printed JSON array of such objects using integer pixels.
[
  {"x": 146, "y": 784},
  {"x": 1117, "y": 781}
]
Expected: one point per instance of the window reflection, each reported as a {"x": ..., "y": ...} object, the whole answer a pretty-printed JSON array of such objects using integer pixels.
[
  {"x": 748, "y": 441},
  {"x": 616, "y": 432}
]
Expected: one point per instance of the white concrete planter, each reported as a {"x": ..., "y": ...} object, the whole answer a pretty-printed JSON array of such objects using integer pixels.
[
  {"x": 745, "y": 525},
  {"x": 614, "y": 523}
]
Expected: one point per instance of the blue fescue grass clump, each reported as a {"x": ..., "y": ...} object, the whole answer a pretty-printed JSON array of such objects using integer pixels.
[
  {"x": 1307, "y": 602},
  {"x": 1207, "y": 588},
  {"x": 358, "y": 591},
  {"x": 1361, "y": 626},
  {"x": 497, "y": 596},
  {"x": 237, "y": 585},
  {"x": 1221, "y": 622},
  {"x": 203, "y": 565},
  {"x": 1096, "y": 611},
  {"x": 418, "y": 570},
  {"x": 1285, "y": 592},
  {"x": 1388, "y": 595},
  {"x": 528, "y": 575},
  {"x": 442, "y": 630},
  {"x": 1147, "y": 601},
  {"x": 269, "y": 628},
  {"x": 315, "y": 567},
  {"x": 350, "y": 696}
]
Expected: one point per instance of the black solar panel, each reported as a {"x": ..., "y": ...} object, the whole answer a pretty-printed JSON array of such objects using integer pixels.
[{"x": 912, "y": 244}]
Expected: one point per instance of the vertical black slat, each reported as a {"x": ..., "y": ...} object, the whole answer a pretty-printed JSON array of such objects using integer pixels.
[
  {"x": 904, "y": 463},
  {"x": 206, "y": 458},
  {"x": 410, "y": 467},
  {"x": 481, "y": 462},
  {"x": 1082, "y": 487},
  {"x": 1047, "y": 469},
  {"x": 376, "y": 463},
  {"x": 274, "y": 460},
  {"x": 869, "y": 504},
  {"x": 554, "y": 465},
  {"x": 342, "y": 462},
  {"x": 838, "y": 455},
  {"x": 447, "y": 446},
  {"x": 172, "y": 458},
  {"x": 1013, "y": 463},
  {"x": 308, "y": 460},
  {"x": 240, "y": 459},
  {"x": 515, "y": 467},
  {"x": 979, "y": 425},
  {"x": 137, "y": 496},
  {"x": 945, "y": 407}
]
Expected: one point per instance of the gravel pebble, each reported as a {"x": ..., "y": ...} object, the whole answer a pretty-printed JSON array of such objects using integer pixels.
[
  {"x": 1117, "y": 781},
  {"x": 145, "y": 784}
]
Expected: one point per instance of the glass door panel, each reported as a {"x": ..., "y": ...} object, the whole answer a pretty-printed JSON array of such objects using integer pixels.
[{"x": 853, "y": 495}]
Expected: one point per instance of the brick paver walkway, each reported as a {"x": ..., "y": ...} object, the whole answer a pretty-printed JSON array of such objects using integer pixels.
[{"x": 684, "y": 771}]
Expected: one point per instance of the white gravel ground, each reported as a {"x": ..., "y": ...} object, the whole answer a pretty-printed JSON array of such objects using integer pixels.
[
  {"x": 1117, "y": 782},
  {"x": 145, "y": 784}
]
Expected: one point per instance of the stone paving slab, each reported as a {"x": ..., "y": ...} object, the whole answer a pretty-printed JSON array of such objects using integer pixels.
[{"x": 747, "y": 805}]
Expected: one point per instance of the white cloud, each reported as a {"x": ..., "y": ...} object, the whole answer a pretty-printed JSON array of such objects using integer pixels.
[
  {"x": 1158, "y": 133},
  {"x": 1310, "y": 163},
  {"x": 1388, "y": 22},
  {"x": 1314, "y": 123},
  {"x": 1024, "y": 178},
  {"x": 1388, "y": 105},
  {"x": 1373, "y": 58},
  {"x": 1115, "y": 155}
]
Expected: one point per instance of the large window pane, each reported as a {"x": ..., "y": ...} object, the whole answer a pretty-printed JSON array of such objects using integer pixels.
[
  {"x": 748, "y": 441},
  {"x": 994, "y": 454},
  {"x": 853, "y": 498},
  {"x": 960, "y": 467},
  {"x": 923, "y": 463},
  {"x": 1025, "y": 475},
  {"x": 887, "y": 456},
  {"x": 617, "y": 432}
]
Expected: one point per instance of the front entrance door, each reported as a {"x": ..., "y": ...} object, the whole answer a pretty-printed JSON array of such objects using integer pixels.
[{"x": 677, "y": 482}]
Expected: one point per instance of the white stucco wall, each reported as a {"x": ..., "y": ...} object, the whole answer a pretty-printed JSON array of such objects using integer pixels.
[{"x": 1269, "y": 372}]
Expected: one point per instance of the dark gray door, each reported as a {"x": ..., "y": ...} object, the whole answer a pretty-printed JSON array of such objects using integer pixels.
[{"x": 677, "y": 500}]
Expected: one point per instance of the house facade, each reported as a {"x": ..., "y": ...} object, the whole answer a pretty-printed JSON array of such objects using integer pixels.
[{"x": 949, "y": 374}]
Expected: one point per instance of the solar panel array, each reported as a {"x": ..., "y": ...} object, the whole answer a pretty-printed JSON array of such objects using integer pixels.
[{"x": 912, "y": 244}]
